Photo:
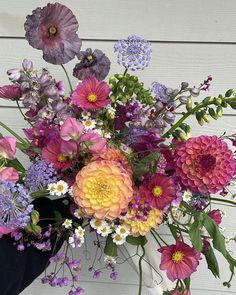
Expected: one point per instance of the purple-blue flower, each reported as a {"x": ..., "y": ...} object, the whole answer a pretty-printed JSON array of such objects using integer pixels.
[
  {"x": 159, "y": 90},
  {"x": 15, "y": 205},
  {"x": 133, "y": 53}
]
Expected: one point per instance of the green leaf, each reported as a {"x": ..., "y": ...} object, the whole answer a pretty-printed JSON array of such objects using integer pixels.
[
  {"x": 136, "y": 241},
  {"x": 187, "y": 282},
  {"x": 212, "y": 262},
  {"x": 16, "y": 164},
  {"x": 110, "y": 248},
  {"x": 173, "y": 231},
  {"x": 58, "y": 216},
  {"x": 195, "y": 233},
  {"x": 142, "y": 166},
  {"x": 34, "y": 217}
]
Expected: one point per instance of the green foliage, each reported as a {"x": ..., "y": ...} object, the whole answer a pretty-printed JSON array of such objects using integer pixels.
[
  {"x": 136, "y": 241},
  {"x": 195, "y": 232},
  {"x": 212, "y": 262},
  {"x": 111, "y": 247},
  {"x": 148, "y": 163}
]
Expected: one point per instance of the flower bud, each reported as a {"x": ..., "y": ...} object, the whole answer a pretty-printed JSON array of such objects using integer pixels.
[
  {"x": 195, "y": 91},
  {"x": 27, "y": 65},
  {"x": 14, "y": 74}
]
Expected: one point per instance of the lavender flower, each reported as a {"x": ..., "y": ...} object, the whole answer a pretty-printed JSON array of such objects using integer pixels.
[
  {"x": 39, "y": 175},
  {"x": 15, "y": 205},
  {"x": 159, "y": 90},
  {"x": 133, "y": 53},
  {"x": 92, "y": 64}
]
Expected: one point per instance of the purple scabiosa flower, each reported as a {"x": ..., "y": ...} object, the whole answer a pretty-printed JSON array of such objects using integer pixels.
[
  {"x": 53, "y": 30},
  {"x": 15, "y": 205},
  {"x": 159, "y": 90},
  {"x": 133, "y": 53},
  {"x": 39, "y": 175},
  {"x": 91, "y": 63}
]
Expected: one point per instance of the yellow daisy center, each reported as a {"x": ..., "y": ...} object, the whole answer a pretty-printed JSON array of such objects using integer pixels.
[
  {"x": 98, "y": 223},
  {"x": 61, "y": 158},
  {"x": 60, "y": 187},
  {"x": 177, "y": 256},
  {"x": 104, "y": 230},
  {"x": 122, "y": 230},
  {"x": 157, "y": 191},
  {"x": 92, "y": 97},
  {"x": 118, "y": 238},
  {"x": 88, "y": 123}
]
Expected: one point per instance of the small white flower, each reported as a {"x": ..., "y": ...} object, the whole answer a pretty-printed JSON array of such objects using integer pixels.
[
  {"x": 111, "y": 112},
  {"x": 125, "y": 149},
  {"x": 85, "y": 115},
  {"x": 79, "y": 213},
  {"x": 89, "y": 124},
  {"x": 79, "y": 232},
  {"x": 109, "y": 259},
  {"x": 67, "y": 223},
  {"x": 118, "y": 239},
  {"x": 124, "y": 217},
  {"x": 104, "y": 230},
  {"x": 107, "y": 135},
  {"x": 52, "y": 189},
  {"x": 75, "y": 242},
  {"x": 222, "y": 229},
  {"x": 61, "y": 188},
  {"x": 70, "y": 192},
  {"x": 228, "y": 240},
  {"x": 187, "y": 196},
  {"x": 123, "y": 231},
  {"x": 96, "y": 223},
  {"x": 99, "y": 131},
  {"x": 113, "y": 226}
]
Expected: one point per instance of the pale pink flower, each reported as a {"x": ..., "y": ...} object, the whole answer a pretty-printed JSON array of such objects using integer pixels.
[
  {"x": 95, "y": 142},
  {"x": 11, "y": 92},
  {"x": 9, "y": 174},
  {"x": 8, "y": 147},
  {"x": 71, "y": 129}
]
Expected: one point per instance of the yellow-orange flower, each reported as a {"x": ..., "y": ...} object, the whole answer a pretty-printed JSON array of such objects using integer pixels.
[
  {"x": 142, "y": 227},
  {"x": 103, "y": 189}
]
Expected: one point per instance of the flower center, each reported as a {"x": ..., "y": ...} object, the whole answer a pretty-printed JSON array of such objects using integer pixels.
[
  {"x": 88, "y": 123},
  {"x": 134, "y": 49},
  {"x": 157, "y": 191},
  {"x": 98, "y": 223},
  {"x": 92, "y": 97},
  {"x": 52, "y": 31},
  {"x": 61, "y": 158},
  {"x": 177, "y": 256},
  {"x": 122, "y": 231},
  {"x": 60, "y": 187},
  {"x": 118, "y": 238},
  {"x": 207, "y": 162}
]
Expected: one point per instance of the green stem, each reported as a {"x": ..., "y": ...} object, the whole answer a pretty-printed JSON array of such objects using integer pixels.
[
  {"x": 13, "y": 133},
  {"x": 18, "y": 105},
  {"x": 155, "y": 238},
  {"x": 39, "y": 194},
  {"x": 223, "y": 201},
  {"x": 163, "y": 241},
  {"x": 125, "y": 72},
  {"x": 191, "y": 112},
  {"x": 68, "y": 78},
  {"x": 141, "y": 271}
]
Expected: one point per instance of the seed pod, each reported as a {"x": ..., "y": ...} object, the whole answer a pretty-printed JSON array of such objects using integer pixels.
[
  {"x": 208, "y": 99},
  {"x": 219, "y": 111},
  {"x": 199, "y": 118},
  {"x": 233, "y": 105},
  {"x": 205, "y": 117},
  {"x": 212, "y": 113},
  {"x": 189, "y": 104},
  {"x": 224, "y": 104},
  {"x": 184, "y": 85},
  {"x": 229, "y": 92}
]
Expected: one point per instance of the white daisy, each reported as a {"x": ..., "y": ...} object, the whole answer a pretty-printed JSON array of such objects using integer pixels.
[
  {"x": 113, "y": 226},
  {"x": 118, "y": 239},
  {"x": 96, "y": 223},
  {"x": 107, "y": 135},
  {"x": 52, "y": 189},
  {"x": 79, "y": 232},
  {"x": 123, "y": 231},
  {"x": 104, "y": 230},
  {"x": 111, "y": 112},
  {"x": 75, "y": 242},
  {"x": 187, "y": 196},
  {"x": 109, "y": 259},
  {"x": 67, "y": 223},
  {"x": 85, "y": 115},
  {"x": 61, "y": 188},
  {"x": 89, "y": 124},
  {"x": 79, "y": 213}
]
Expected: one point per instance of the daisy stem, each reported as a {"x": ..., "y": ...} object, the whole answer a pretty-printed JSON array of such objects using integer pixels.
[
  {"x": 67, "y": 76},
  {"x": 13, "y": 133},
  {"x": 155, "y": 238},
  {"x": 223, "y": 201},
  {"x": 141, "y": 271},
  {"x": 163, "y": 241}
]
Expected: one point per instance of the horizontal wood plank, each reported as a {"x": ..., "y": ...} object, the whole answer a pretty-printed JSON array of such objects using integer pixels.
[{"x": 159, "y": 20}]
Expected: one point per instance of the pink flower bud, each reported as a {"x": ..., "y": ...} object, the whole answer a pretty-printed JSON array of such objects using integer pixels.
[
  {"x": 12, "y": 92},
  {"x": 8, "y": 147}
]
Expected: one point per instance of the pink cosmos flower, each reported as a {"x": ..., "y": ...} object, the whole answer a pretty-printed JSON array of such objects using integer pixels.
[
  {"x": 71, "y": 129},
  {"x": 91, "y": 94},
  {"x": 181, "y": 292},
  {"x": 8, "y": 147},
  {"x": 9, "y": 174},
  {"x": 179, "y": 260},
  {"x": 12, "y": 92},
  {"x": 205, "y": 164},
  {"x": 60, "y": 154},
  {"x": 159, "y": 191},
  {"x": 216, "y": 216},
  {"x": 53, "y": 30},
  {"x": 4, "y": 230},
  {"x": 95, "y": 142}
]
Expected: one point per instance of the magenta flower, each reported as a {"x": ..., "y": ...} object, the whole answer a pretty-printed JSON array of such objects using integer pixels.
[
  {"x": 53, "y": 30},
  {"x": 181, "y": 292},
  {"x": 8, "y": 147},
  {"x": 12, "y": 92},
  {"x": 9, "y": 174},
  {"x": 95, "y": 142},
  {"x": 60, "y": 154},
  {"x": 205, "y": 164},
  {"x": 71, "y": 129},
  {"x": 179, "y": 260},
  {"x": 91, "y": 94},
  {"x": 216, "y": 216},
  {"x": 4, "y": 230}
]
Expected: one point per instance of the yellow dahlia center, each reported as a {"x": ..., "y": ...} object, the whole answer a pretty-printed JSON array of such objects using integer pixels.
[
  {"x": 178, "y": 256},
  {"x": 92, "y": 97},
  {"x": 52, "y": 31},
  {"x": 157, "y": 191},
  {"x": 61, "y": 158}
]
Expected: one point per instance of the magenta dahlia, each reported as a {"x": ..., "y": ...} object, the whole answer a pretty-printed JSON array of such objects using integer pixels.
[
  {"x": 91, "y": 94},
  {"x": 179, "y": 260},
  {"x": 205, "y": 164},
  {"x": 53, "y": 30},
  {"x": 159, "y": 191}
]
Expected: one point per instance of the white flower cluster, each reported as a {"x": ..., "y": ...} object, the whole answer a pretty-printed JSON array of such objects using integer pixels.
[
  {"x": 77, "y": 239},
  {"x": 58, "y": 189}
]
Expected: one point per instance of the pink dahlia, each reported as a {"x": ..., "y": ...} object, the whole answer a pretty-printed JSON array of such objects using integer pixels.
[
  {"x": 159, "y": 191},
  {"x": 179, "y": 260},
  {"x": 91, "y": 94},
  {"x": 60, "y": 154},
  {"x": 53, "y": 30},
  {"x": 12, "y": 92},
  {"x": 205, "y": 164}
]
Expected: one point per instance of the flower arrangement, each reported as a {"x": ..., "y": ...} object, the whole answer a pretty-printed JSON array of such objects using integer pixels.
[{"x": 117, "y": 153}]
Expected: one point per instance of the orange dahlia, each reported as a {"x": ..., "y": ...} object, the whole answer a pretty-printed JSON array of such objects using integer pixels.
[
  {"x": 103, "y": 189},
  {"x": 113, "y": 154}
]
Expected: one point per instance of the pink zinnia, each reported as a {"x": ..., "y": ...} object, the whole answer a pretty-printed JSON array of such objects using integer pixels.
[
  {"x": 53, "y": 30},
  {"x": 12, "y": 92},
  {"x": 91, "y": 94},
  {"x": 159, "y": 191},
  {"x": 205, "y": 164},
  {"x": 60, "y": 154},
  {"x": 179, "y": 260}
]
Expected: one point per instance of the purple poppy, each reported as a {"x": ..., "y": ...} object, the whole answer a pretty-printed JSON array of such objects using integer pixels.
[{"x": 53, "y": 30}]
